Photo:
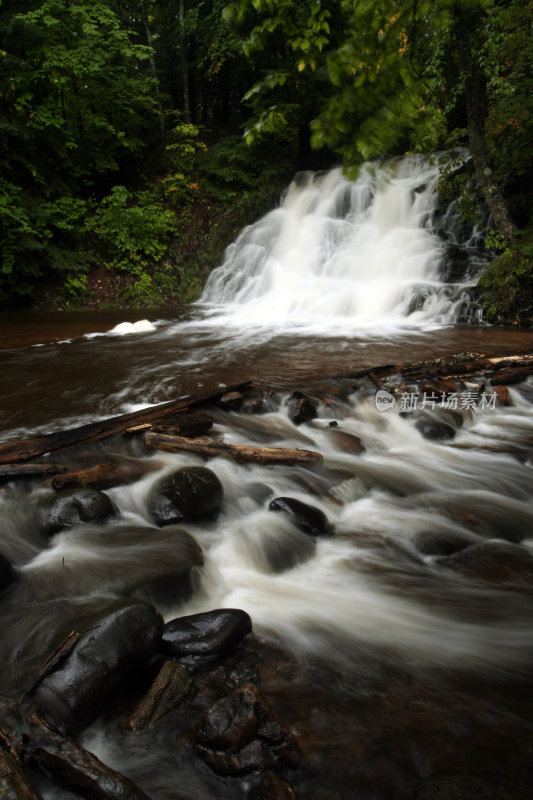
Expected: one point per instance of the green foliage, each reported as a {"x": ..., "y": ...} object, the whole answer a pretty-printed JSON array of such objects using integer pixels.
[
  {"x": 507, "y": 284},
  {"x": 135, "y": 230}
]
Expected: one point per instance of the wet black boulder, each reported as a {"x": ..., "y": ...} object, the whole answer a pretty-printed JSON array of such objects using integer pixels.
[
  {"x": 306, "y": 518},
  {"x": 440, "y": 544},
  {"x": 208, "y": 634},
  {"x": 434, "y": 429},
  {"x": 73, "y": 507},
  {"x": 116, "y": 643},
  {"x": 188, "y": 494},
  {"x": 7, "y": 574}
]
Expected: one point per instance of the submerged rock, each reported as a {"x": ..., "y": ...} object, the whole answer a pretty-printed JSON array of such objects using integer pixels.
[
  {"x": 7, "y": 573},
  {"x": 240, "y": 733},
  {"x": 493, "y": 561},
  {"x": 170, "y": 688},
  {"x": 434, "y": 429},
  {"x": 306, "y": 518},
  {"x": 188, "y": 494},
  {"x": 301, "y": 408},
  {"x": 115, "y": 644},
  {"x": 207, "y": 634},
  {"x": 440, "y": 544},
  {"x": 72, "y": 507}
]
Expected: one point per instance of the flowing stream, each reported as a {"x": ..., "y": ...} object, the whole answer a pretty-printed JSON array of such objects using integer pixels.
[{"x": 389, "y": 664}]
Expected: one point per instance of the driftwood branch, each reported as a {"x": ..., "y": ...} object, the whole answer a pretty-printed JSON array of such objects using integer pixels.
[
  {"x": 13, "y": 472},
  {"x": 101, "y": 476},
  {"x": 77, "y": 769},
  {"x": 22, "y": 450},
  {"x": 239, "y": 452},
  {"x": 14, "y": 784}
]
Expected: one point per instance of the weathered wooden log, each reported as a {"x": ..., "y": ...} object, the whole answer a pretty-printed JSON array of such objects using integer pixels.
[
  {"x": 14, "y": 785},
  {"x": 14, "y": 472},
  {"x": 239, "y": 452},
  {"x": 20, "y": 450},
  {"x": 453, "y": 366},
  {"x": 77, "y": 769},
  {"x": 100, "y": 476}
]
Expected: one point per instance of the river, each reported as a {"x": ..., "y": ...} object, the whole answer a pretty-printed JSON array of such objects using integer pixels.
[{"x": 390, "y": 666}]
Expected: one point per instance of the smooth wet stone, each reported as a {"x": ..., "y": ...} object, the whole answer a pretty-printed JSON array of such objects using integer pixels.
[
  {"x": 171, "y": 687},
  {"x": 116, "y": 643},
  {"x": 440, "y": 544},
  {"x": 493, "y": 561},
  {"x": 503, "y": 397},
  {"x": 73, "y": 507},
  {"x": 188, "y": 494},
  {"x": 306, "y": 518},
  {"x": 464, "y": 787},
  {"x": 240, "y": 734},
  {"x": 7, "y": 573},
  {"x": 301, "y": 408},
  {"x": 207, "y": 634}
]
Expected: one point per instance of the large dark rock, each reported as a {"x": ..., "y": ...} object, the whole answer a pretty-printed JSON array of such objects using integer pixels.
[
  {"x": 240, "y": 733},
  {"x": 7, "y": 574},
  {"x": 205, "y": 635},
  {"x": 187, "y": 494},
  {"x": 115, "y": 644},
  {"x": 73, "y": 507},
  {"x": 231, "y": 401},
  {"x": 306, "y": 518},
  {"x": 493, "y": 561},
  {"x": 171, "y": 687},
  {"x": 301, "y": 408},
  {"x": 464, "y": 787}
]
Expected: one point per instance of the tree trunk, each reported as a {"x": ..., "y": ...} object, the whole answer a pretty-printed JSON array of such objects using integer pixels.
[
  {"x": 476, "y": 111},
  {"x": 153, "y": 70},
  {"x": 184, "y": 65}
]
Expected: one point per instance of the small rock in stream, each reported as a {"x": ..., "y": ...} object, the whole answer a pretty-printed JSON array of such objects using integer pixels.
[
  {"x": 188, "y": 494},
  {"x": 492, "y": 561},
  {"x": 231, "y": 401},
  {"x": 205, "y": 635},
  {"x": 301, "y": 408},
  {"x": 440, "y": 544},
  {"x": 240, "y": 734},
  {"x": 306, "y": 518},
  {"x": 434, "y": 429},
  {"x": 72, "y": 507}
]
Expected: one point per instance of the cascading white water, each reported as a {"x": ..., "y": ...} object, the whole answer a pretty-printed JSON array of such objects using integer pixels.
[{"x": 359, "y": 253}]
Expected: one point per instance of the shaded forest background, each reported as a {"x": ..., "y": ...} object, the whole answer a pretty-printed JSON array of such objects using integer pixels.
[{"x": 138, "y": 137}]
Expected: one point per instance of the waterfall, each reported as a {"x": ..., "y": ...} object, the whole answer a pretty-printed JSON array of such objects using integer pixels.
[{"x": 375, "y": 250}]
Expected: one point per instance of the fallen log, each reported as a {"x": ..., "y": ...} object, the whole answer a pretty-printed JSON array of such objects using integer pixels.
[
  {"x": 20, "y": 450},
  {"x": 75, "y": 768},
  {"x": 13, "y": 782},
  {"x": 239, "y": 452},
  {"x": 100, "y": 476},
  {"x": 449, "y": 367},
  {"x": 14, "y": 472}
]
